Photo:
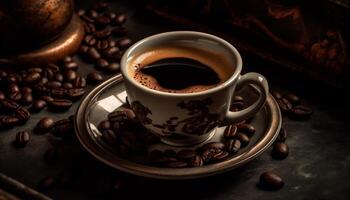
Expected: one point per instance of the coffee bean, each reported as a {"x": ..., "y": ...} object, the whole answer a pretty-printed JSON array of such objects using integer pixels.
[
  {"x": 22, "y": 138},
  {"x": 44, "y": 125},
  {"x": 53, "y": 84},
  {"x": 52, "y": 156},
  {"x": 213, "y": 145},
  {"x": 60, "y": 104},
  {"x": 27, "y": 99},
  {"x": 58, "y": 92},
  {"x": 38, "y": 105},
  {"x": 43, "y": 80},
  {"x": 93, "y": 13},
  {"x": 176, "y": 164},
  {"x": 112, "y": 43},
  {"x": 270, "y": 181},
  {"x": 63, "y": 128},
  {"x": 70, "y": 66},
  {"x": 26, "y": 90},
  {"x": 248, "y": 129},
  {"x": 40, "y": 89},
  {"x": 58, "y": 77},
  {"x": 9, "y": 105},
  {"x": 48, "y": 73},
  {"x": 102, "y": 63},
  {"x": 90, "y": 40},
  {"x": 22, "y": 114},
  {"x": 276, "y": 94},
  {"x": 284, "y": 105},
  {"x": 69, "y": 75},
  {"x": 301, "y": 112},
  {"x": 79, "y": 82},
  {"x": 102, "y": 34},
  {"x": 124, "y": 43},
  {"x": 47, "y": 99},
  {"x": 46, "y": 183},
  {"x": 67, "y": 59},
  {"x": 109, "y": 137},
  {"x": 230, "y": 131},
  {"x": 119, "y": 31},
  {"x": 282, "y": 136},
  {"x": 186, "y": 154},
  {"x": 102, "y": 21},
  {"x": 104, "y": 125},
  {"x": 53, "y": 67},
  {"x": 83, "y": 49},
  {"x": 74, "y": 93},
  {"x": 80, "y": 12},
  {"x": 280, "y": 151},
  {"x": 9, "y": 121},
  {"x": 16, "y": 96},
  {"x": 13, "y": 88},
  {"x": 196, "y": 161},
  {"x": 120, "y": 19},
  {"x": 243, "y": 138},
  {"x": 111, "y": 15},
  {"x": 87, "y": 19},
  {"x": 294, "y": 99},
  {"x": 67, "y": 85},
  {"x": 112, "y": 68},
  {"x": 109, "y": 52},
  {"x": 93, "y": 54},
  {"x": 207, "y": 154},
  {"x": 2, "y": 95},
  {"x": 102, "y": 44},
  {"x": 94, "y": 78},
  {"x": 232, "y": 145},
  {"x": 32, "y": 78},
  {"x": 35, "y": 69},
  {"x": 219, "y": 156}
]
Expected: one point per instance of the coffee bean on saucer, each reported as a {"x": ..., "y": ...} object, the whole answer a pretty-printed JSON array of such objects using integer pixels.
[
  {"x": 186, "y": 154},
  {"x": 196, "y": 161},
  {"x": 282, "y": 135},
  {"x": 46, "y": 183},
  {"x": 232, "y": 145},
  {"x": 284, "y": 105},
  {"x": 301, "y": 112},
  {"x": 292, "y": 98},
  {"x": 109, "y": 137},
  {"x": 248, "y": 129},
  {"x": 104, "y": 125},
  {"x": 280, "y": 151},
  {"x": 112, "y": 68},
  {"x": 22, "y": 138},
  {"x": 44, "y": 125},
  {"x": 94, "y": 78},
  {"x": 60, "y": 104},
  {"x": 176, "y": 164},
  {"x": 230, "y": 131},
  {"x": 219, "y": 156},
  {"x": 243, "y": 138},
  {"x": 213, "y": 145},
  {"x": 270, "y": 181}
]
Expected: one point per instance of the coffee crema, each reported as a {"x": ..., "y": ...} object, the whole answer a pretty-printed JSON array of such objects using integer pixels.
[{"x": 180, "y": 69}]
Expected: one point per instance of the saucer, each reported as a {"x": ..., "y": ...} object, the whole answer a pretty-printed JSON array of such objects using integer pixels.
[{"x": 111, "y": 95}]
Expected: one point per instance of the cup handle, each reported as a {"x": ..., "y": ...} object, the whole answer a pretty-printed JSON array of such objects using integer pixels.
[{"x": 260, "y": 82}]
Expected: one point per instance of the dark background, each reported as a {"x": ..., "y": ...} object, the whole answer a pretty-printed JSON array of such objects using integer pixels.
[{"x": 318, "y": 166}]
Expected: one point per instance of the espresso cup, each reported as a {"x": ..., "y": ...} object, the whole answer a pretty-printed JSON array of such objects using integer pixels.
[{"x": 182, "y": 119}]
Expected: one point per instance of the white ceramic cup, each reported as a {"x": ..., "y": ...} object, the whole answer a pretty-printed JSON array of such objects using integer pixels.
[{"x": 190, "y": 118}]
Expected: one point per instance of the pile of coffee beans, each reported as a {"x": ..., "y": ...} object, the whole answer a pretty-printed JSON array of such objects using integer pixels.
[
  {"x": 292, "y": 106},
  {"x": 105, "y": 39}
]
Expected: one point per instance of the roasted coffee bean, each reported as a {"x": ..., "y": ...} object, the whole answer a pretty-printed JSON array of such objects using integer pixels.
[
  {"x": 38, "y": 105},
  {"x": 176, "y": 164},
  {"x": 80, "y": 12},
  {"x": 219, "y": 156},
  {"x": 282, "y": 136},
  {"x": 83, "y": 49},
  {"x": 47, "y": 99},
  {"x": 213, "y": 145},
  {"x": 284, "y": 105},
  {"x": 60, "y": 104},
  {"x": 74, "y": 93},
  {"x": 280, "y": 151},
  {"x": 63, "y": 128},
  {"x": 48, "y": 73},
  {"x": 70, "y": 66},
  {"x": 121, "y": 114},
  {"x": 93, "y": 13},
  {"x": 67, "y": 59},
  {"x": 58, "y": 77},
  {"x": 120, "y": 19},
  {"x": 69, "y": 75},
  {"x": 111, "y": 15},
  {"x": 276, "y": 94},
  {"x": 58, "y": 92},
  {"x": 43, "y": 80},
  {"x": 94, "y": 78},
  {"x": 100, "y": 6},
  {"x": 196, "y": 161},
  {"x": 90, "y": 28},
  {"x": 248, "y": 129},
  {"x": 9, "y": 105},
  {"x": 238, "y": 98},
  {"x": 26, "y": 90},
  {"x": 2, "y": 95},
  {"x": 102, "y": 63},
  {"x": 9, "y": 121},
  {"x": 294, "y": 99},
  {"x": 102, "y": 21},
  {"x": 27, "y": 99},
  {"x": 102, "y": 34},
  {"x": 113, "y": 67},
  {"x": 46, "y": 183},
  {"x": 22, "y": 138},
  {"x": 79, "y": 82},
  {"x": 119, "y": 31},
  {"x": 87, "y": 19},
  {"x": 109, "y": 137},
  {"x": 90, "y": 40},
  {"x": 124, "y": 43},
  {"x": 67, "y": 85},
  {"x": 102, "y": 44},
  {"x": 35, "y": 69},
  {"x": 301, "y": 112},
  {"x": 104, "y": 125},
  {"x": 270, "y": 181},
  {"x": 16, "y": 96},
  {"x": 186, "y": 154},
  {"x": 232, "y": 145},
  {"x": 230, "y": 131},
  {"x": 53, "y": 84},
  {"x": 207, "y": 154},
  {"x": 13, "y": 88},
  {"x": 93, "y": 54},
  {"x": 53, "y": 67},
  {"x": 243, "y": 138},
  {"x": 109, "y": 52},
  {"x": 112, "y": 43},
  {"x": 40, "y": 89},
  {"x": 52, "y": 156},
  {"x": 44, "y": 125},
  {"x": 32, "y": 78},
  {"x": 22, "y": 114}
]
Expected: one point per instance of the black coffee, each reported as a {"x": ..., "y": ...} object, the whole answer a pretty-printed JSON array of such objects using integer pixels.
[{"x": 180, "y": 73}]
